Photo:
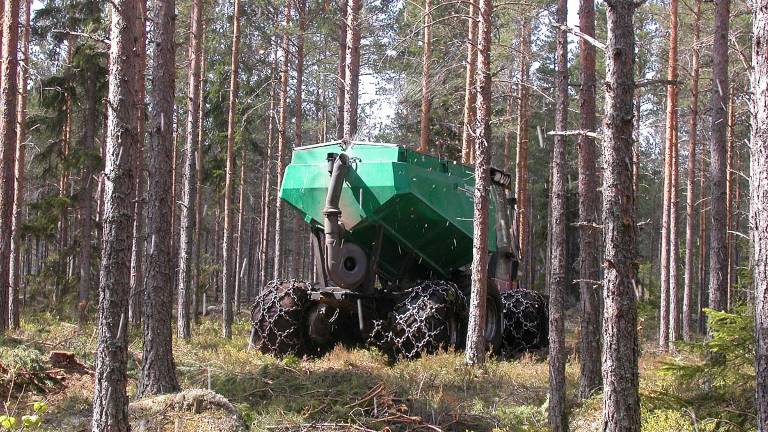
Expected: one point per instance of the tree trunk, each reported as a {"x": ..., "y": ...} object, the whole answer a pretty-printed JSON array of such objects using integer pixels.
[
  {"x": 138, "y": 242},
  {"x": 758, "y": 208},
  {"x": 718, "y": 263},
  {"x": 475, "y": 353},
  {"x": 521, "y": 165},
  {"x": 668, "y": 309},
  {"x": 158, "y": 372},
  {"x": 299, "y": 250},
  {"x": 187, "y": 219},
  {"x": 266, "y": 208},
  {"x": 691, "y": 180},
  {"x": 352, "y": 73},
  {"x": 85, "y": 197},
  {"x": 621, "y": 402},
  {"x": 196, "y": 292},
  {"x": 557, "y": 282},
  {"x": 227, "y": 275},
  {"x": 14, "y": 306},
  {"x": 110, "y": 404},
  {"x": 282, "y": 124},
  {"x": 470, "y": 97},
  {"x": 341, "y": 70},
  {"x": 8, "y": 96},
  {"x": 589, "y": 201},
  {"x": 425, "y": 63},
  {"x": 731, "y": 205},
  {"x": 239, "y": 263}
]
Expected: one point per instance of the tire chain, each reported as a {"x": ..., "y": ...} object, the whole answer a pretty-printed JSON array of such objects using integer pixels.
[
  {"x": 419, "y": 324},
  {"x": 277, "y": 317},
  {"x": 526, "y": 325}
]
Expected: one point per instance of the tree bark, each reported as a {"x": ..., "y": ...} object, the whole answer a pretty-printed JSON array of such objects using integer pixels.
[
  {"x": 718, "y": 263},
  {"x": 425, "y": 64},
  {"x": 8, "y": 99},
  {"x": 227, "y": 275},
  {"x": 667, "y": 321},
  {"x": 470, "y": 97},
  {"x": 730, "y": 202},
  {"x": 239, "y": 263},
  {"x": 341, "y": 70},
  {"x": 521, "y": 164},
  {"x": 196, "y": 292},
  {"x": 282, "y": 124},
  {"x": 621, "y": 402},
  {"x": 758, "y": 208},
  {"x": 135, "y": 304},
  {"x": 14, "y": 306},
  {"x": 691, "y": 180},
  {"x": 475, "y": 352},
  {"x": 558, "y": 421},
  {"x": 352, "y": 73},
  {"x": 187, "y": 219},
  {"x": 110, "y": 404},
  {"x": 266, "y": 208},
  {"x": 158, "y": 372},
  {"x": 299, "y": 249},
  {"x": 85, "y": 197},
  {"x": 589, "y": 201}
]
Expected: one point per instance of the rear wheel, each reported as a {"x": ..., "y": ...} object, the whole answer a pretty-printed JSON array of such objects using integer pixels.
[
  {"x": 428, "y": 320},
  {"x": 278, "y": 319},
  {"x": 526, "y": 321}
]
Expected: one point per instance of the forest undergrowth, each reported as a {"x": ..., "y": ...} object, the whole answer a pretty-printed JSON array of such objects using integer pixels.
[{"x": 357, "y": 389}]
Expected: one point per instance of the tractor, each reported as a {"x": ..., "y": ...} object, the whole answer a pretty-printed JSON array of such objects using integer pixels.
[{"x": 391, "y": 233}]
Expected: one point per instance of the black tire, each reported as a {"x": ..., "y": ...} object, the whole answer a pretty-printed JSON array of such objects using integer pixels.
[
  {"x": 526, "y": 322},
  {"x": 494, "y": 319},
  {"x": 428, "y": 320},
  {"x": 278, "y": 319}
]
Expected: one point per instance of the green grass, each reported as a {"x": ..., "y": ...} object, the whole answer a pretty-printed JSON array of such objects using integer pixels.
[{"x": 359, "y": 387}]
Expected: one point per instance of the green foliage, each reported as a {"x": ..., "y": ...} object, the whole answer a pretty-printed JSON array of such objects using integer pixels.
[
  {"x": 715, "y": 378},
  {"x": 27, "y": 422}
]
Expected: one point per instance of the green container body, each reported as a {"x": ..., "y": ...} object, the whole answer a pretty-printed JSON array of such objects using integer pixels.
[{"x": 424, "y": 204}]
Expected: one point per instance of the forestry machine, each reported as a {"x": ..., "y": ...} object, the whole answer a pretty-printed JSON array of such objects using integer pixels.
[{"x": 392, "y": 234}]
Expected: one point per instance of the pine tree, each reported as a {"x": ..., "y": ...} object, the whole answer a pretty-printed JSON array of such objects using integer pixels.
[
  {"x": 475, "y": 351},
  {"x": 621, "y": 402},
  {"x": 110, "y": 404}
]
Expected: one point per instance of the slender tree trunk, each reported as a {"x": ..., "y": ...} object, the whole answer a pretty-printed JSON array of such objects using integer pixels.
[
  {"x": 196, "y": 291},
  {"x": 8, "y": 141},
  {"x": 702, "y": 299},
  {"x": 558, "y": 420},
  {"x": 470, "y": 97},
  {"x": 110, "y": 404},
  {"x": 667, "y": 334},
  {"x": 352, "y": 73},
  {"x": 282, "y": 124},
  {"x": 137, "y": 249},
  {"x": 589, "y": 201},
  {"x": 621, "y": 402},
  {"x": 341, "y": 71},
  {"x": 266, "y": 210},
  {"x": 158, "y": 372},
  {"x": 425, "y": 63},
  {"x": 731, "y": 205},
  {"x": 758, "y": 209},
  {"x": 14, "y": 306},
  {"x": 521, "y": 165},
  {"x": 718, "y": 263},
  {"x": 239, "y": 263},
  {"x": 475, "y": 353},
  {"x": 227, "y": 274},
  {"x": 691, "y": 181},
  {"x": 189, "y": 182},
  {"x": 86, "y": 192},
  {"x": 298, "y": 222}
]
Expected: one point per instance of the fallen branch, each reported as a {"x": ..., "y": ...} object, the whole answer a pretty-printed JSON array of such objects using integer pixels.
[{"x": 588, "y": 133}]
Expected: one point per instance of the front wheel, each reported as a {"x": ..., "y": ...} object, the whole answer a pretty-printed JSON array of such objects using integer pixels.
[{"x": 278, "y": 319}]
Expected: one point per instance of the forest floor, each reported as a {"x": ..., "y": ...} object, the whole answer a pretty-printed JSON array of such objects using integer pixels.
[{"x": 346, "y": 389}]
